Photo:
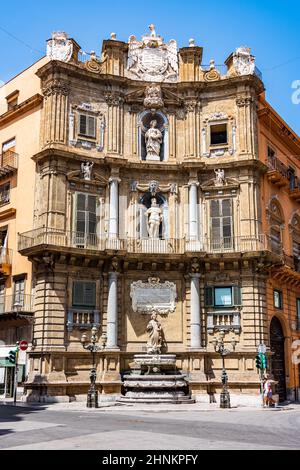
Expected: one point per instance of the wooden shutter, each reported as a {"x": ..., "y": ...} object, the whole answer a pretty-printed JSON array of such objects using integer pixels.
[
  {"x": 237, "y": 296},
  {"x": 87, "y": 125},
  {"x": 209, "y": 296},
  {"x": 84, "y": 294},
  {"x": 86, "y": 214}
]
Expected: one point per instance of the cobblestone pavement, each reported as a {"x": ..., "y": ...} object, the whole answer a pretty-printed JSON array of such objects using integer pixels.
[{"x": 169, "y": 427}]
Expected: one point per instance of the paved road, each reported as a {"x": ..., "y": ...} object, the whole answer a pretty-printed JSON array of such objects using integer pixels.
[{"x": 115, "y": 428}]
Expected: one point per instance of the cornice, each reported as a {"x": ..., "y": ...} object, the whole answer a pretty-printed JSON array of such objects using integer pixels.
[
  {"x": 21, "y": 109},
  {"x": 7, "y": 214}
]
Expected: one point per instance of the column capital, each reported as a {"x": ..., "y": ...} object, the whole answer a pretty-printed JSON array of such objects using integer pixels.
[
  {"x": 115, "y": 179},
  {"x": 193, "y": 183}
]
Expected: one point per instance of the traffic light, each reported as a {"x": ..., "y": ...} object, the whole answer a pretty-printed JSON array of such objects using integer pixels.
[
  {"x": 264, "y": 361},
  {"x": 258, "y": 362},
  {"x": 12, "y": 357}
]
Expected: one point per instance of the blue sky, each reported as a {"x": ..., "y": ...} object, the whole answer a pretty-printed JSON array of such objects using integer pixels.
[{"x": 270, "y": 28}]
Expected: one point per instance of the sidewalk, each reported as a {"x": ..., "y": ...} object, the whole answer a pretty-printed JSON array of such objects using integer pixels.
[{"x": 116, "y": 407}]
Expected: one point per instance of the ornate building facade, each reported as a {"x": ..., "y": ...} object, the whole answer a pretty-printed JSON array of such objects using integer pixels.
[{"x": 150, "y": 189}]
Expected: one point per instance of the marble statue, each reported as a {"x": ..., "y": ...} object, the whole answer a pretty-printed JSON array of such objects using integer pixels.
[
  {"x": 220, "y": 177},
  {"x": 155, "y": 332},
  {"x": 154, "y": 219},
  {"x": 86, "y": 169},
  {"x": 154, "y": 140}
]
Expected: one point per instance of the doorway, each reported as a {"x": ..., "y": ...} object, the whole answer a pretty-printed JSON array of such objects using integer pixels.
[{"x": 278, "y": 358}]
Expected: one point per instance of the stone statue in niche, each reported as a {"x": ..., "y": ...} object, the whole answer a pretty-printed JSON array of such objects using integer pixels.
[
  {"x": 86, "y": 170},
  {"x": 154, "y": 140},
  {"x": 155, "y": 332},
  {"x": 154, "y": 219},
  {"x": 220, "y": 177}
]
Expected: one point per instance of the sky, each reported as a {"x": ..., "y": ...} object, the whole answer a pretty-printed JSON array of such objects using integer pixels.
[{"x": 270, "y": 28}]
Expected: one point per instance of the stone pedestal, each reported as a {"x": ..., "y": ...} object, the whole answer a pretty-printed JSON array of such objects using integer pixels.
[{"x": 154, "y": 379}]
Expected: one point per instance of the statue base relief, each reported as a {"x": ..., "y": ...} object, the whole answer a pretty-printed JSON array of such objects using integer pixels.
[
  {"x": 152, "y": 158},
  {"x": 155, "y": 379}
]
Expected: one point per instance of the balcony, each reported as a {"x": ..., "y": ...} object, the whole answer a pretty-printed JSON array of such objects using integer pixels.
[
  {"x": 5, "y": 261},
  {"x": 278, "y": 173},
  {"x": 294, "y": 188},
  {"x": 83, "y": 319},
  {"x": 9, "y": 164},
  {"x": 223, "y": 320},
  {"x": 16, "y": 304},
  {"x": 51, "y": 239}
]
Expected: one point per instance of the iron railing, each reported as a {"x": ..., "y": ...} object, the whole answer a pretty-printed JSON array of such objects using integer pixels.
[
  {"x": 6, "y": 256},
  {"x": 93, "y": 242},
  {"x": 10, "y": 159},
  {"x": 16, "y": 303}
]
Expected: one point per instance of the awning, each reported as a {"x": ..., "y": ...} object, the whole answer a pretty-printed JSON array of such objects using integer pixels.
[{"x": 5, "y": 363}]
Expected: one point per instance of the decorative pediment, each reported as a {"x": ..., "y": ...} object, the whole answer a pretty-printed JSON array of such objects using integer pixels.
[
  {"x": 97, "y": 179},
  {"x": 154, "y": 187},
  {"x": 221, "y": 182},
  {"x": 154, "y": 91}
]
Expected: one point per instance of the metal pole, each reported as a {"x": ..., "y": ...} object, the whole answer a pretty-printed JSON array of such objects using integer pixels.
[{"x": 16, "y": 378}]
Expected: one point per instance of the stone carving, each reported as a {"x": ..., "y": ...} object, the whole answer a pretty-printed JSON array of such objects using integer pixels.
[
  {"x": 56, "y": 87},
  {"x": 155, "y": 332},
  {"x": 154, "y": 140},
  {"x": 217, "y": 116},
  {"x": 147, "y": 297},
  {"x": 220, "y": 177},
  {"x": 151, "y": 59},
  {"x": 60, "y": 47},
  {"x": 153, "y": 99},
  {"x": 86, "y": 170},
  {"x": 154, "y": 219},
  {"x": 243, "y": 61},
  {"x": 154, "y": 187},
  {"x": 212, "y": 74},
  {"x": 195, "y": 266}
]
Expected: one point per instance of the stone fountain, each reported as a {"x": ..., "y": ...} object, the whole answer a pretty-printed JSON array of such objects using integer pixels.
[{"x": 154, "y": 377}]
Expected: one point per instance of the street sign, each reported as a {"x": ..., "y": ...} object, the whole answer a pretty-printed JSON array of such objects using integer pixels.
[
  {"x": 23, "y": 345},
  {"x": 262, "y": 349}
]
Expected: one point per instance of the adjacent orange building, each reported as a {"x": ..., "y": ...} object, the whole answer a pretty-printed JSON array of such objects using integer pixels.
[{"x": 279, "y": 149}]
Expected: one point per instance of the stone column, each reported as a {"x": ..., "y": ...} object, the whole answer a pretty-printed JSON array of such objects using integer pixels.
[
  {"x": 112, "y": 312},
  {"x": 193, "y": 211},
  {"x": 114, "y": 207},
  {"x": 195, "y": 312},
  {"x": 56, "y": 96}
]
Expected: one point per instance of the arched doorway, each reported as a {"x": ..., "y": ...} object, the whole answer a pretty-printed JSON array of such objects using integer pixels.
[{"x": 278, "y": 357}]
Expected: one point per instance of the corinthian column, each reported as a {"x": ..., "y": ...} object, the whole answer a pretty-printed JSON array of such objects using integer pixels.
[
  {"x": 195, "y": 311},
  {"x": 112, "y": 311},
  {"x": 114, "y": 207},
  {"x": 193, "y": 210},
  {"x": 55, "y": 112}
]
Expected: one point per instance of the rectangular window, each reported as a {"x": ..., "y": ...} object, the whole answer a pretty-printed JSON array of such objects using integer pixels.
[
  {"x": 84, "y": 295},
  {"x": 221, "y": 224},
  {"x": 298, "y": 314},
  {"x": 12, "y": 100},
  {"x": 225, "y": 297},
  {"x": 19, "y": 293},
  {"x": 4, "y": 194},
  {"x": 85, "y": 217},
  {"x": 87, "y": 126},
  {"x": 278, "y": 300},
  {"x": 218, "y": 134}
]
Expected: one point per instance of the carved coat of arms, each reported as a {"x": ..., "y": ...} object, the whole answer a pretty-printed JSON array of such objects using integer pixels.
[
  {"x": 243, "y": 61},
  {"x": 60, "y": 47},
  {"x": 153, "y": 60}
]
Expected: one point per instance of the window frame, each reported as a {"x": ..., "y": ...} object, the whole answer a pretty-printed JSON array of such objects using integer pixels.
[
  {"x": 219, "y": 144},
  {"x": 298, "y": 313},
  {"x": 210, "y": 297},
  {"x": 87, "y": 135},
  {"x": 280, "y": 296}
]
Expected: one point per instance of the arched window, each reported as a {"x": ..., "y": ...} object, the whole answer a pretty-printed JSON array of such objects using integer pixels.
[
  {"x": 276, "y": 220},
  {"x": 145, "y": 204},
  {"x": 153, "y": 147}
]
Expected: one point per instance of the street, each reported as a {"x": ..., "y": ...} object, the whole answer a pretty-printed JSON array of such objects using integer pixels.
[{"x": 192, "y": 427}]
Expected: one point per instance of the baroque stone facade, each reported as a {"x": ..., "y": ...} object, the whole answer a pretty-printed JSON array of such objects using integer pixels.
[{"x": 110, "y": 220}]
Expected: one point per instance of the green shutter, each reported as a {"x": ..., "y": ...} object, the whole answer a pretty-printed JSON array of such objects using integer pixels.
[
  {"x": 84, "y": 294},
  {"x": 237, "y": 296},
  {"x": 209, "y": 296}
]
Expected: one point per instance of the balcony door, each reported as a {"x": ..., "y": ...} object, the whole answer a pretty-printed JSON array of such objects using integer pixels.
[
  {"x": 19, "y": 294},
  {"x": 221, "y": 226},
  {"x": 85, "y": 227}
]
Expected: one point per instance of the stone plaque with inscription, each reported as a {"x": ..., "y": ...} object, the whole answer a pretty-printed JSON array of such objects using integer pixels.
[{"x": 147, "y": 297}]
